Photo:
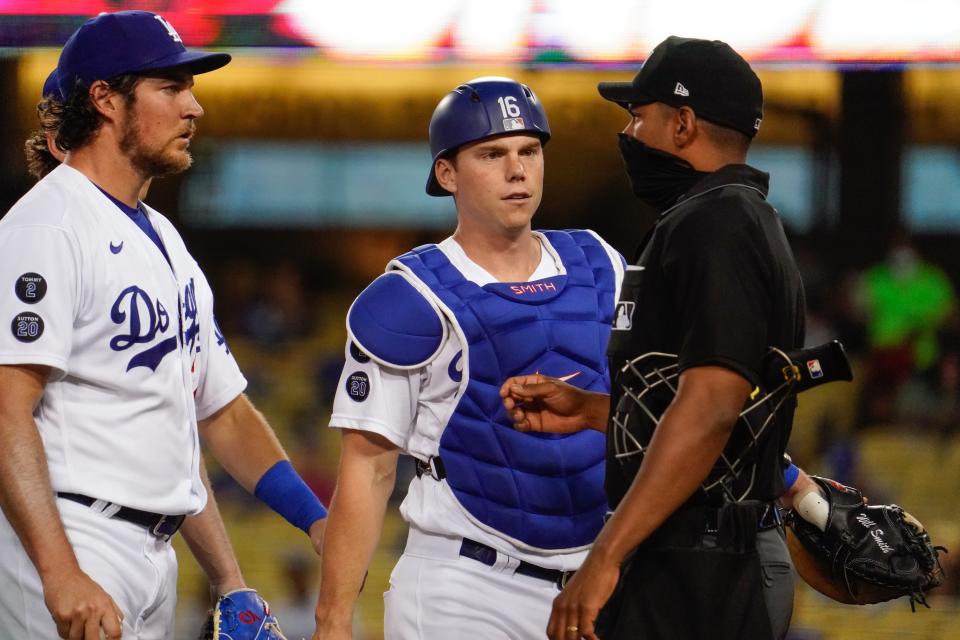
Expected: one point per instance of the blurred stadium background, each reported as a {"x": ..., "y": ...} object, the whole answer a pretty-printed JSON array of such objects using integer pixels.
[{"x": 309, "y": 174}]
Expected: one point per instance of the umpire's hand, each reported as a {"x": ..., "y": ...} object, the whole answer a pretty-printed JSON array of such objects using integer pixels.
[
  {"x": 576, "y": 608},
  {"x": 541, "y": 403}
]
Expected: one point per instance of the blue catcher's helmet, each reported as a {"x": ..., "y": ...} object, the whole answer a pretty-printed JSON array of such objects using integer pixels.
[{"x": 483, "y": 108}]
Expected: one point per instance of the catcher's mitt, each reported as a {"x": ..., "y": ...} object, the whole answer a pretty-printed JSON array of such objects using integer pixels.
[
  {"x": 241, "y": 615},
  {"x": 867, "y": 554}
]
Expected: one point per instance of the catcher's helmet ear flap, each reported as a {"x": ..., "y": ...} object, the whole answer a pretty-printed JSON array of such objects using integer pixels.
[{"x": 482, "y": 108}]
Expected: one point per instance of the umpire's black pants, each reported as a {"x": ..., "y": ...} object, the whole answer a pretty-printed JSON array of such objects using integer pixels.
[{"x": 710, "y": 591}]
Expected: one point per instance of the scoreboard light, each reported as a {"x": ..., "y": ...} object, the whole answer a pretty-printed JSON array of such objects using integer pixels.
[
  {"x": 361, "y": 29},
  {"x": 888, "y": 30},
  {"x": 749, "y": 26},
  {"x": 524, "y": 31},
  {"x": 592, "y": 31},
  {"x": 494, "y": 30}
]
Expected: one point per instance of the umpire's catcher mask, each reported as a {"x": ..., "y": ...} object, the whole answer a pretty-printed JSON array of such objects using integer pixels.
[{"x": 649, "y": 384}]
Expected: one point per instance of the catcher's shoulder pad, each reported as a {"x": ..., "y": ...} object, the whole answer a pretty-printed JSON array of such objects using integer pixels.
[
  {"x": 394, "y": 323},
  {"x": 243, "y": 615}
]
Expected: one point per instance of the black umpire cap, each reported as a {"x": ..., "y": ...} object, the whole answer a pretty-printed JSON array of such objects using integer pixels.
[{"x": 706, "y": 75}]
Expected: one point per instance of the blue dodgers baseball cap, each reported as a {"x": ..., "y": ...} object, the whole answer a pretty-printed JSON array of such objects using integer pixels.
[
  {"x": 127, "y": 42},
  {"x": 51, "y": 86}
]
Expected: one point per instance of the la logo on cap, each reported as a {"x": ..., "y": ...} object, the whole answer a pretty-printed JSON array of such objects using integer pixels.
[{"x": 170, "y": 30}]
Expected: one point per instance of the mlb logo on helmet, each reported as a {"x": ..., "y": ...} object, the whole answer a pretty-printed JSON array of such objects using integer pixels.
[
  {"x": 513, "y": 124},
  {"x": 813, "y": 366}
]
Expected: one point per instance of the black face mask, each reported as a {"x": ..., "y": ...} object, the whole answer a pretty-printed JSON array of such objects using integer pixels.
[{"x": 657, "y": 177}]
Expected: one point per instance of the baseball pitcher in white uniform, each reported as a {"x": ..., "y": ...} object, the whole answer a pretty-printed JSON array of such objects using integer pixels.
[
  {"x": 112, "y": 363},
  {"x": 205, "y": 533},
  {"x": 498, "y": 519}
]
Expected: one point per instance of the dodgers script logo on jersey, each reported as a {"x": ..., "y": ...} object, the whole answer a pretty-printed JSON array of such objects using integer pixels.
[
  {"x": 144, "y": 319},
  {"x": 190, "y": 315}
]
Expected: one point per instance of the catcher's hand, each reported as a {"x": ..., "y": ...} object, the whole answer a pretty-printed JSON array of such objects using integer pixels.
[
  {"x": 241, "y": 615},
  {"x": 867, "y": 554}
]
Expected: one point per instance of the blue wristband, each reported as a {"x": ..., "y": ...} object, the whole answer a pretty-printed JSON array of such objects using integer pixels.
[
  {"x": 790, "y": 476},
  {"x": 282, "y": 488}
]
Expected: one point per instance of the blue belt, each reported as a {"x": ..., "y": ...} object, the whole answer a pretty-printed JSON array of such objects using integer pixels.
[
  {"x": 159, "y": 525},
  {"x": 488, "y": 556}
]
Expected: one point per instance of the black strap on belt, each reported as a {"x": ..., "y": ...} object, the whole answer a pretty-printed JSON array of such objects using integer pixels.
[
  {"x": 432, "y": 467},
  {"x": 488, "y": 556},
  {"x": 729, "y": 524},
  {"x": 769, "y": 518},
  {"x": 159, "y": 525}
]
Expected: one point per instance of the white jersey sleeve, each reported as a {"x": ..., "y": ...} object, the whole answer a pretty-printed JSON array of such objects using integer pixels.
[
  {"x": 39, "y": 295},
  {"x": 375, "y": 398}
]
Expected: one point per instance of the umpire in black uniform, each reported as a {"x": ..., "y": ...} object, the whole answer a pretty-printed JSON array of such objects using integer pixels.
[{"x": 715, "y": 284}]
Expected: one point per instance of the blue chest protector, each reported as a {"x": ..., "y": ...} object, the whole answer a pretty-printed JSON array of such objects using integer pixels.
[{"x": 543, "y": 490}]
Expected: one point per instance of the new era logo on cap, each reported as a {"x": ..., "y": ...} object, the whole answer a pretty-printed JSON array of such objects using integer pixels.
[{"x": 681, "y": 90}]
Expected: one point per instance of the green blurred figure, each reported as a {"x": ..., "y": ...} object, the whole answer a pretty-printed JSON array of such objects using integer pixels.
[{"x": 907, "y": 300}]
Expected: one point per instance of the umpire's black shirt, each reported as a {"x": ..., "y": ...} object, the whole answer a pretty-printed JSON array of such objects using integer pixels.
[{"x": 716, "y": 284}]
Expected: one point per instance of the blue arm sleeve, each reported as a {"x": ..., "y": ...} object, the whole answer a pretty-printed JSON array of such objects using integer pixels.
[
  {"x": 284, "y": 491},
  {"x": 790, "y": 475}
]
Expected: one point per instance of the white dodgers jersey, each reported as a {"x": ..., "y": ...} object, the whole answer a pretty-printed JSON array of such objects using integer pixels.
[{"x": 135, "y": 353}]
